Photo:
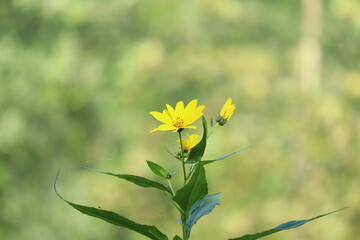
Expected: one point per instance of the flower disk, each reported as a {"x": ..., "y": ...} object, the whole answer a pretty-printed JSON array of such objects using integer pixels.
[{"x": 179, "y": 118}]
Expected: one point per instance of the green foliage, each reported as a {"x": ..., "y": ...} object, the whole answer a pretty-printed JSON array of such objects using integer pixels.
[
  {"x": 149, "y": 231},
  {"x": 226, "y": 155},
  {"x": 211, "y": 122},
  {"x": 158, "y": 170},
  {"x": 72, "y": 71},
  {"x": 192, "y": 199},
  {"x": 198, "y": 151},
  {"x": 201, "y": 208},
  {"x": 140, "y": 181},
  {"x": 193, "y": 191},
  {"x": 281, "y": 227}
]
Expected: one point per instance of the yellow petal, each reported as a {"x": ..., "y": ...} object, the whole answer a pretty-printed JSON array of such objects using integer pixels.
[
  {"x": 190, "y": 142},
  {"x": 163, "y": 127},
  {"x": 191, "y": 105},
  {"x": 231, "y": 111},
  {"x": 193, "y": 137},
  {"x": 171, "y": 112},
  {"x": 225, "y": 107},
  {"x": 166, "y": 127},
  {"x": 155, "y": 129},
  {"x": 178, "y": 118},
  {"x": 179, "y": 108},
  {"x": 192, "y": 127},
  {"x": 228, "y": 109},
  {"x": 161, "y": 117},
  {"x": 192, "y": 116}
]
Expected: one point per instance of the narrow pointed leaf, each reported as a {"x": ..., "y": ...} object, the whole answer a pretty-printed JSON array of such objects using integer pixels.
[
  {"x": 149, "y": 231},
  {"x": 226, "y": 155},
  {"x": 140, "y": 181},
  {"x": 281, "y": 227},
  {"x": 193, "y": 191},
  {"x": 201, "y": 208},
  {"x": 198, "y": 151},
  {"x": 177, "y": 238},
  {"x": 157, "y": 169}
]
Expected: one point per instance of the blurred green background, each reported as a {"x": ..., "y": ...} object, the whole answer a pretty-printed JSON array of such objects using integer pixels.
[{"x": 78, "y": 78}]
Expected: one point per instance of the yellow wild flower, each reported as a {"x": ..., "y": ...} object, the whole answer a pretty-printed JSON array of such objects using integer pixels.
[
  {"x": 179, "y": 118},
  {"x": 190, "y": 142},
  {"x": 226, "y": 112}
]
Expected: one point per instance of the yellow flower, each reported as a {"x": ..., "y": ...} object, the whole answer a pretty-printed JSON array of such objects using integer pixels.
[
  {"x": 190, "y": 142},
  {"x": 179, "y": 118},
  {"x": 226, "y": 112}
]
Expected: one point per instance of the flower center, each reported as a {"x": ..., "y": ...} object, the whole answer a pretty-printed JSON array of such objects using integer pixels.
[{"x": 178, "y": 123}]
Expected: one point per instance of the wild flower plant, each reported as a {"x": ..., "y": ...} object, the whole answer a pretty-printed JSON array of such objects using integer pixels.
[{"x": 192, "y": 199}]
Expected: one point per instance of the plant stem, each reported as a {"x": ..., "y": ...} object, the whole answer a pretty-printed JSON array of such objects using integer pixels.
[
  {"x": 212, "y": 129},
  {"x": 184, "y": 215},
  {"x": 171, "y": 188},
  {"x": 182, "y": 158},
  {"x": 184, "y": 171},
  {"x": 185, "y": 237}
]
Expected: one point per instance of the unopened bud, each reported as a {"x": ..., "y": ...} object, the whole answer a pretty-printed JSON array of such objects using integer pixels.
[{"x": 221, "y": 120}]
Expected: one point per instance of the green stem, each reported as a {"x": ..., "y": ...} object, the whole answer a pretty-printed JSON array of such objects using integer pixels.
[
  {"x": 184, "y": 171},
  {"x": 183, "y": 215},
  {"x": 185, "y": 237},
  {"x": 171, "y": 188},
  {"x": 211, "y": 131},
  {"x": 182, "y": 158}
]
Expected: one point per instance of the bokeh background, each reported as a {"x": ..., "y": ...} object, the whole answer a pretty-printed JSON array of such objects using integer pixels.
[{"x": 78, "y": 78}]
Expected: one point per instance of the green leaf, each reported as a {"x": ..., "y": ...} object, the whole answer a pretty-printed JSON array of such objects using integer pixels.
[
  {"x": 177, "y": 238},
  {"x": 226, "y": 155},
  {"x": 140, "y": 181},
  {"x": 149, "y": 231},
  {"x": 201, "y": 208},
  {"x": 198, "y": 151},
  {"x": 157, "y": 169},
  {"x": 281, "y": 227},
  {"x": 193, "y": 191}
]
